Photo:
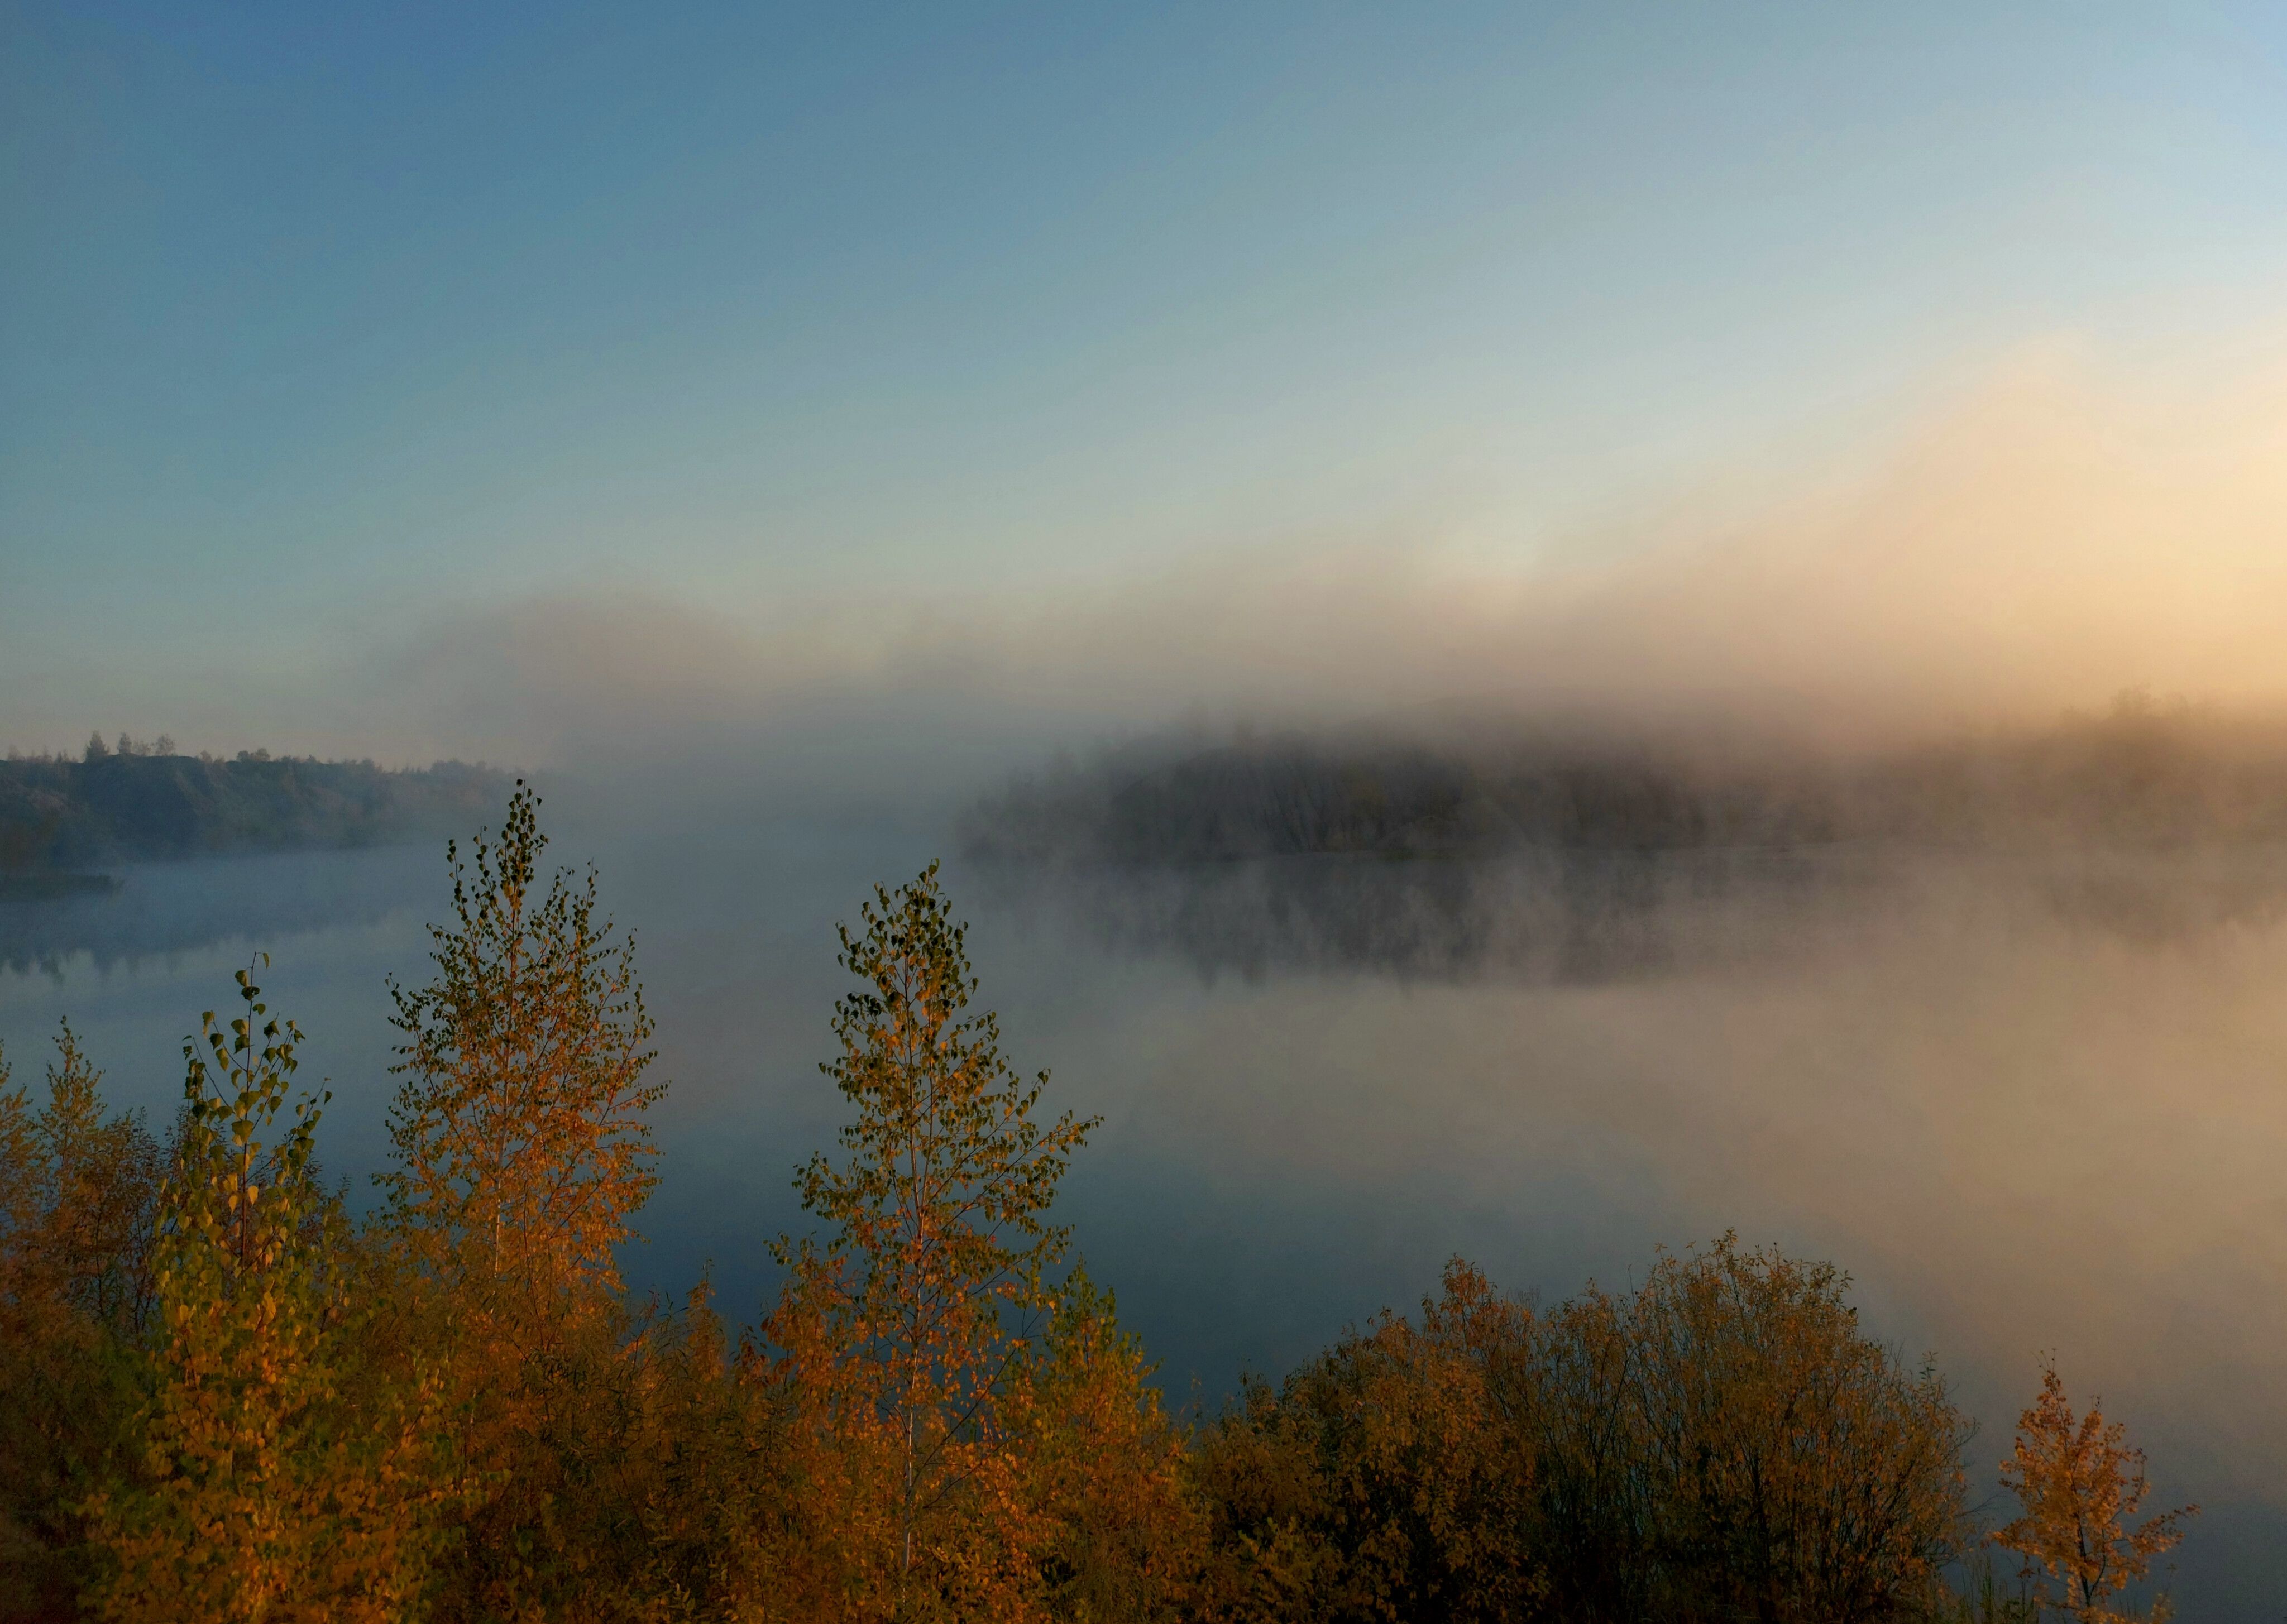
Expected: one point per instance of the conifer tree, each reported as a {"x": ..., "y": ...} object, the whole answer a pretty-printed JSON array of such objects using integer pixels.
[
  {"x": 274, "y": 1484},
  {"x": 908, "y": 1333}
]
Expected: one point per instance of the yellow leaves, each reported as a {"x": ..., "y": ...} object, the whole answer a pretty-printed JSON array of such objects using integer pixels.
[
  {"x": 2078, "y": 1483},
  {"x": 908, "y": 1347},
  {"x": 1721, "y": 1442},
  {"x": 518, "y": 1129},
  {"x": 260, "y": 1496}
]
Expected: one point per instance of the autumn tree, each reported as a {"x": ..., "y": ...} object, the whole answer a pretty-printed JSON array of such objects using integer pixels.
[
  {"x": 91, "y": 1184},
  {"x": 908, "y": 1333},
  {"x": 1792, "y": 1468},
  {"x": 695, "y": 1491},
  {"x": 519, "y": 1143},
  {"x": 1723, "y": 1443},
  {"x": 521, "y": 1155},
  {"x": 1123, "y": 1537},
  {"x": 78, "y": 1187},
  {"x": 2081, "y": 1487},
  {"x": 1381, "y": 1480},
  {"x": 275, "y": 1482}
]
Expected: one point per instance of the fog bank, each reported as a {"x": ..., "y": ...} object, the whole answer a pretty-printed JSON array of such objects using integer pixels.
[{"x": 2055, "y": 536}]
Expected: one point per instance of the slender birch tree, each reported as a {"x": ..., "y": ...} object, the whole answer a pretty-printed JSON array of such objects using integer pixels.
[
  {"x": 520, "y": 1157},
  {"x": 909, "y": 1331},
  {"x": 518, "y": 1133}
]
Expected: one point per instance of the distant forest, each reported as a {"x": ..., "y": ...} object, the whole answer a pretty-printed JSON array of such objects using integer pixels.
[
  {"x": 2141, "y": 776},
  {"x": 137, "y": 801}
]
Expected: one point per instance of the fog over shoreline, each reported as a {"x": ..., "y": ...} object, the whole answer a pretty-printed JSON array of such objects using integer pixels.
[
  {"x": 1539, "y": 637},
  {"x": 2057, "y": 534},
  {"x": 2017, "y": 1068}
]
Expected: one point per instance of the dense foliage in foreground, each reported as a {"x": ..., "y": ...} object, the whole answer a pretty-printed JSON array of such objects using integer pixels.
[{"x": 220, "y": 1398}]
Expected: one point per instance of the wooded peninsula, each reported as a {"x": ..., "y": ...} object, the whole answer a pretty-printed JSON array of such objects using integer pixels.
[{"x": 137, "y": 801}]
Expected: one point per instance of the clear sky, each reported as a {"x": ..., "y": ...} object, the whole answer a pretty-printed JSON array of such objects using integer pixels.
[{"x": 316, "y": 321}]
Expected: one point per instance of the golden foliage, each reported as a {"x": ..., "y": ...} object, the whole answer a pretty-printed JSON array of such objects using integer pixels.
[
  {"x": 909, "y": 1336},
  {"x": 518, "y": 1131},
  {"x": 1379, "y": 1482},
  {"x": 1722, "y": 1444},
  {"x": 1786, "y": 1465},
  {"x": 224, "y": 1401},
  {"x": 1121, "y": 1537},
  {"x": 520, "y": 1155},
  {"x": 274, "y": 1484},
  {"x": 2080, "y": 1485},
  {"x": 78, "y": 1190}
]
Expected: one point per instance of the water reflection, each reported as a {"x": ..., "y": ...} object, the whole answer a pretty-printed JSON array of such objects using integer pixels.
[
  {"x": 1590, "y": 918},
  {"x": 154, "y": 909},
  {"x": 2031, "y": 1102}
]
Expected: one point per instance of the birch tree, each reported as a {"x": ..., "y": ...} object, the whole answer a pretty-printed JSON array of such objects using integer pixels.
[
  {"x": 911, "y": 1329},
  {"x": 2081, "y": 1488}
]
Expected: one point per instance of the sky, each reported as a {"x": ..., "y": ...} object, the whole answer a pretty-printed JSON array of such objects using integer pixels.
[
  {"x": 361, "y": 365},
  {"x": 892, "y": 396}
]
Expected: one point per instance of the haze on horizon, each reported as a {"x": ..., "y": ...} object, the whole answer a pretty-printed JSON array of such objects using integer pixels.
[
  {"x": 770, "y": 409},
  {"x": 539, "y": 385}
]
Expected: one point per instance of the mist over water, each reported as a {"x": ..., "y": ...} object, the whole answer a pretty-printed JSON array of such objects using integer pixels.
[
  {"x": 1538, "y": 634},
  {"x": 1889, "y": 967},
  {"x": 2030, "y": 1100}
]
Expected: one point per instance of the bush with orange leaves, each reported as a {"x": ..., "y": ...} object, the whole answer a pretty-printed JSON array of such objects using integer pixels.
[
  {"x": 1120, "y": 1538},
  {"x": 1723, "y": 1443},
  {"x": 78, "y": 1192},
  {"x": 1383, "y": 1480}
]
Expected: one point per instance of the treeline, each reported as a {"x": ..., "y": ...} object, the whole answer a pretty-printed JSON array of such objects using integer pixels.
[
  {"x": 2139, "y": 776},
  {"x": 222, "y": 1398},
  {"x": 141, "y": 801}
]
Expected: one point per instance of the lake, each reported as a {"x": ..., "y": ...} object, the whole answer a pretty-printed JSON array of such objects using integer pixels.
[{"x": 2030, "y": 1102}]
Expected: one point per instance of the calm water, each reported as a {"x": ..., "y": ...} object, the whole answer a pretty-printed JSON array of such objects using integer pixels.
[{"x": 2035, "y": 1104}]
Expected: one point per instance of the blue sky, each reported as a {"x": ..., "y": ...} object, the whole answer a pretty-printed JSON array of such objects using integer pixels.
[{"x": 317, "y": 325}]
